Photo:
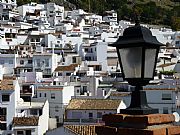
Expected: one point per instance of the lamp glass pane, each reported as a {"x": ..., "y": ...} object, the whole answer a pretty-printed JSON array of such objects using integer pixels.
[
  {"x": 131, "y": 59},
  {"x": 150, "y": 55}
]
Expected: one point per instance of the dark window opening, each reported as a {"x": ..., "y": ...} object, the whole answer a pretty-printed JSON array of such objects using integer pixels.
[{"x": 5, "y": 98}]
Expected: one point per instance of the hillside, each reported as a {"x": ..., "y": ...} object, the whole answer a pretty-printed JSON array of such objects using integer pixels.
[{"x": 158, "y": 12}]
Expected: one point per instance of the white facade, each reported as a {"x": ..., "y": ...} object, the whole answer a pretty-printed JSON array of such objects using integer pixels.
[
  {"x": 57, "y": 96},
  {"x": 91, "y": 113},
  {"x": 28, "y": 110},
  {"x": 8, "y": 35},
  {"x": 8, "y": 106},
  {"x": 8, "y": 62},
  {"x": 45, "y": 62},
  {"x": 55, "y": 13},
  {"x": 29, "y": 8},
  {"x": 164, "y": 100}
]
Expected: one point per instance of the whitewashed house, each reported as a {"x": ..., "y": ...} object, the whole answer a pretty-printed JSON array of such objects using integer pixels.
[
  {"x": 55, "y": 13},
  {"x": 8, "y": 4},
  {"x": 92, "y": 109},
  {"x": 110, "y": 17},
  {"x": 8, "y": 62},
  {"x": 63, "y": 73},
  {"x": 9, "y": 98},
  {"x": 31, "y": 119},
  {"x": 29, "y": 8},
  {"x": 57, "y": 96},
  {"x": 8, "y": 35},
  {"x": 162, "y": 98},
  {"x": 45, "y": 62}
]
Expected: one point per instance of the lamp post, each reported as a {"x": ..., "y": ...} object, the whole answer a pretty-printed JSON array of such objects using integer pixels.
[{"x": 137, "y": 52}]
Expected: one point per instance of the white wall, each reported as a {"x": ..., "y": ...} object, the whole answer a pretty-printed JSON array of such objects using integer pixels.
[
  {"x": 43, "y": 119},
  {"x": 68, "y": 92},
  {"x": 154, "y": 99},
  {"x": 7, "y": 67},
  {"x": 121, "y": 106},
  {"x": 55, "y": 104},
  {"x": 102, "y": 54},
  {"x": 12, "y": 104},
  {"x": 84, "y": 114}
]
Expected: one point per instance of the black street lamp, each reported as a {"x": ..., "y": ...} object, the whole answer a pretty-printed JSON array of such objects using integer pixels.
[{"x": 137, "y": 51}]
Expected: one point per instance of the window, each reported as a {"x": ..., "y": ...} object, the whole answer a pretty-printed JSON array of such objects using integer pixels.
[
  {"x": 177, "y": 42},
  {"x": 46, "y": 62},
  {"x": 38, "y": 62},
  {"x": 59, "y": 74},
  {"x": 74, "y": 59},
  {"x": 165, "y": 110},
  {"x": 21, "y": 62},
  {"x": 37, "y": 39},
  {"x": 40, "y": 112},
  {"x": 29, "y": 61},
  {"x": 3, "y": 126},
  {"x": 1, "y": 61},
  {"x": 54, "y": 82},
  {"x": 68, "y": 74},
  {"x": 20, "y": 133},
  {"x": 44, "y": 94},
  {"x": 166, "y": 96},
  {"x": 5, "y": 98},
  {"x": 56, "y": 108},
  {"x": 57, "y": 119},
  {"x": 39, "y": 94},
  {"x": 99, "y": 114},
  {"x": 52, "y": 95},
  {"x": 10, "y": 61},
  {"x": 32, "y": 40},
  {"x": 78, "y": 91},
  {"x": 33, "y": 112},
  {"x": 91, "y": 50},
  {"x": 86, "y": 49},
  {"x": 47, "y": 71},
  {"x": 28, "y": 132},
  {"x": 2, "y": 111},
  {"x": 84, "y": 88},
  {"x": 90, "y": 115}
]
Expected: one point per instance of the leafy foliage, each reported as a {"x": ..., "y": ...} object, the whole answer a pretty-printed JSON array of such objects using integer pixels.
[
  {"x": 164, "y": 12},
  {"x": 171, "y": 72}
]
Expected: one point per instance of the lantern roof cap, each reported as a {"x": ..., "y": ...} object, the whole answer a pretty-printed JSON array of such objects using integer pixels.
[{"x": 132, "y": 36}]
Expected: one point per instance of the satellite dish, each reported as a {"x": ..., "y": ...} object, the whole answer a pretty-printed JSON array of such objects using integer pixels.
[{"x": 176, "y": 115}]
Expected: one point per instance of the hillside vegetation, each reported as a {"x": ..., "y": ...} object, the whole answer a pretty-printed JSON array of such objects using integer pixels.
[{"x": 164, "y": 12}]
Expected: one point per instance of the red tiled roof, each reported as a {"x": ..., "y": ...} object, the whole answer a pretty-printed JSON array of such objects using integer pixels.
[
  {"x": 82, "y": 129},
  {"x": 7, "y": 83},
  {"x": 66, "y": 68},
  {"x": 93, "y": 104},
  {"x": 25, "y": 121},
  {"x": 50, "y": 88}
]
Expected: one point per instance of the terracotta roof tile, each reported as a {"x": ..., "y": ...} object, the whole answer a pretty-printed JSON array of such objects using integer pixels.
[
  {"x": 7, "y": 83},
  {"x": 93, "y": 104},
  {"x": 120, "y": 94},
  {"x": 82, "y": 129},
  {"x": 25, "y": 121},
  {"x": 66, "y": 68},
  {"x": 50, "y": 88}
]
